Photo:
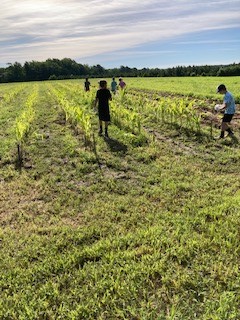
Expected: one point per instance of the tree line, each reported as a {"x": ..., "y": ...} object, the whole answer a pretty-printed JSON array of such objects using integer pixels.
[{"x": 55, "y": 69}]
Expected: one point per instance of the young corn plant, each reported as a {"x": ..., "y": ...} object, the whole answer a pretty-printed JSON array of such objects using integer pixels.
[
  {"x": 76, "y": 115},
  {"x": 160, "y": 111},
  {"x": 8, "y": 97},
  {"x": 122, "y": 93},
  {"x": 173, "y": 111},
  {"x": 23, "y": 125},
  {"x": 124, "y": 118},
  {"x": 84, "y": 123}
]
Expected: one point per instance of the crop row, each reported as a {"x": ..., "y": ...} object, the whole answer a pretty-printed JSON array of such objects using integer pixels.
[
  {"x": 130, "y": 111},
  {"x": 79, "y": 118},
  {"x": 24, "y": 121}
]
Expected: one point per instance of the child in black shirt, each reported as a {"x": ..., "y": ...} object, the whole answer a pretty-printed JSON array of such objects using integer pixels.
[
  {"x": 102, "y": 99},
  {"x": 87, "y": 85}
]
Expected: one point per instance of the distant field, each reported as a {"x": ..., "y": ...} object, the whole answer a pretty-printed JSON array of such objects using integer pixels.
[
  {"x": 141, "y": 226},
  {"x": 204, "y": 87}
]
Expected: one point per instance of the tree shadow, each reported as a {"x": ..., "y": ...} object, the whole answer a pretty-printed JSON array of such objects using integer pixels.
[{"x": 115, "y": 145}]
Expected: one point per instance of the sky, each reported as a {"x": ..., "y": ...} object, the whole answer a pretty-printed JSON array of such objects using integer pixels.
[{"x": 114, "y": 33}]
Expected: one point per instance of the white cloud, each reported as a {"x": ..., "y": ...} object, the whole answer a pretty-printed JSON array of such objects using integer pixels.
[{"x": 37, "y": 30}]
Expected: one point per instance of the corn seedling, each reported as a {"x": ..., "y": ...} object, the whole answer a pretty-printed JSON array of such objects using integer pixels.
[
  {"x": 78, "y": 116},
  {"x": 23, "y": 124}
]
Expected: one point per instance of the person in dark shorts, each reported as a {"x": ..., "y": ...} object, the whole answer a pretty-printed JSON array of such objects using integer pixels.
[
  {"x": 87, "y": 85},
  {"x": 229, "y": 107},
  {"x": 103, "y": 97}
]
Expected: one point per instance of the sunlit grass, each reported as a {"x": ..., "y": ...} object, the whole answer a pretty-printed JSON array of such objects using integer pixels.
[{"x": 143, "y": 227}]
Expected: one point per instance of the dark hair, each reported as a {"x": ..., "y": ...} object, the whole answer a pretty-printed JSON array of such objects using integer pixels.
[
  {"x": 102, "y": 83},
  {"x": 221, "y": 87}
]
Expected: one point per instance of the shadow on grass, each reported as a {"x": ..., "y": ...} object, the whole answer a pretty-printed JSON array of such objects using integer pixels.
[
  {"x": 18, "y": 165},
  {"x": 233, "y": 141},
  {"x": 196, "y": 135},
  {"x": 115, "y": 145}
]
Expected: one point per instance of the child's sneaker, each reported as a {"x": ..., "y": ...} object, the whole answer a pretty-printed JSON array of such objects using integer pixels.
[{"x": 218, "y": 137}]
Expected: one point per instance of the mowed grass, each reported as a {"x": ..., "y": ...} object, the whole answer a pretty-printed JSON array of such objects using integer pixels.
[{"x": 135, "y": 230}]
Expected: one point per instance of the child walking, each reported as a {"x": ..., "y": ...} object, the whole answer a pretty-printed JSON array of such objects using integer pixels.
[
  {"x": 103, "y": 97},
  {"x": 122, "y": 84},
  {"x": 87, "y": 85},
  {"x": 229, "y": 107},
  {"x": 114, "y": 86}
]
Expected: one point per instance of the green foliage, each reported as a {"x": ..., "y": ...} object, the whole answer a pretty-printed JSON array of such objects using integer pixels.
[
  {"x": 145, "y": 226},
  {"x": 56, "y": 69},
  {"x": 199, "y": 87}
]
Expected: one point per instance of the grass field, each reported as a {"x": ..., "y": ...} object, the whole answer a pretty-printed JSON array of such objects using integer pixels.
[
  {"x": 202, "y": 87},
  {"x": 143, "y": 225}
]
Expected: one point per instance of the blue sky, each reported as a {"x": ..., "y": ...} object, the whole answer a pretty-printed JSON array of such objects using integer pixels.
[{"x": 153, "y": 33}]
